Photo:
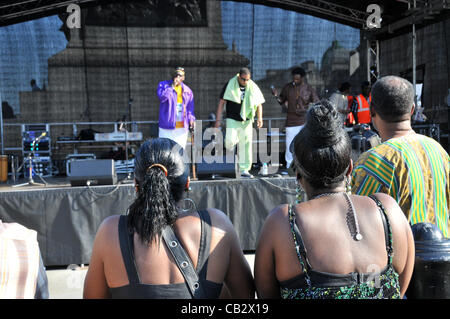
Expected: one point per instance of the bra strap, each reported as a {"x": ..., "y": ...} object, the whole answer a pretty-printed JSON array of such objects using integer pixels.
[
  {"x": 205, "y": 244},
  {"x": 126, "y": 247},
  {"x": 387, "y": 228},
  {"x": 299, "y": 246}
]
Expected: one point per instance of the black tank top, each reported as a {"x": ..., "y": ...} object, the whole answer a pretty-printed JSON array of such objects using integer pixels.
[{"x": 136, "y": 290}]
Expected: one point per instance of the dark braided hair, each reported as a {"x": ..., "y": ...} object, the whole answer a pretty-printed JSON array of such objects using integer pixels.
[
  {"x": 322, "y": 148},
  {"x": 157, "y": 194}
]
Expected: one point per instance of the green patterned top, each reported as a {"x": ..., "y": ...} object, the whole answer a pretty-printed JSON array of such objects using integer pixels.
[{"x": 313, "y": 284}]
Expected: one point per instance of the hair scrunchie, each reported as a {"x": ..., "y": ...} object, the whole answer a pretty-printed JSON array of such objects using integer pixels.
[{"x": 164, "y": 169}]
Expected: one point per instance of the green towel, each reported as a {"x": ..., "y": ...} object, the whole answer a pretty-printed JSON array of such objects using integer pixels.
[{"x": 253, "y": 97}]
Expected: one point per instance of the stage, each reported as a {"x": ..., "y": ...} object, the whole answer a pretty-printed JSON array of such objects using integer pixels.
[{"x": 67, "y": 218}]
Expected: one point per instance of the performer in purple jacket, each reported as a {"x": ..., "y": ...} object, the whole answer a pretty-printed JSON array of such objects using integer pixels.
[{"x": 176, "y": 109}]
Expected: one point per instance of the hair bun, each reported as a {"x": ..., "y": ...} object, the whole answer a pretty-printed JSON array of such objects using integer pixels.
[{"x": 323, "y": 125}]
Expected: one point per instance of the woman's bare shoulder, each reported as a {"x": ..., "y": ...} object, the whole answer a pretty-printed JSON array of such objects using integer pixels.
[
  {"x": 220, "y": 219},
  {"x": 277, "y": 219},
  {"x": 395, "y": 214},
  {"x": 109, "y": 227}
]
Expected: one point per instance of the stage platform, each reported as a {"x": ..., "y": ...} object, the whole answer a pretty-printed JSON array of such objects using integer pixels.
[{"x": 67, "y": 218}]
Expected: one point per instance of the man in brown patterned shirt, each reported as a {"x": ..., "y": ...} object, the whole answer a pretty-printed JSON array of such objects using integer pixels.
[{"x": 297, "y": 95}]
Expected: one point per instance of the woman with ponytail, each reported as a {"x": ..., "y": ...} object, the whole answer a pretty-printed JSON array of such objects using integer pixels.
[
  {"x": 132, "y": 257},
  {"x": 334, "y": 244}
]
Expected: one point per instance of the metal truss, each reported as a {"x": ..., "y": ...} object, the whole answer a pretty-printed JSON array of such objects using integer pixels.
[
  {"x": 11, "y": 11},
  {"x": 330, "y": 9},
  {"x": 418, "y": 12},
  {"x": 373, "y": 60}
]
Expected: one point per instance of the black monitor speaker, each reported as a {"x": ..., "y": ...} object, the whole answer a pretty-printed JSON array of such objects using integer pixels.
[
  {"x": 92, "y": 172},
  {"x": 210, "y": 169}
]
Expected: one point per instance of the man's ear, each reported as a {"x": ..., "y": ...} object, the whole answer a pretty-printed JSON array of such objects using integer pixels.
[
  {"x": 372, "y": 111},
  {"x": 412, "y": 109}
]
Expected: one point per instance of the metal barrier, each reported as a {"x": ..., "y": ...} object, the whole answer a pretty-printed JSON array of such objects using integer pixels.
[
  {"x": 65, "y": 136},
  {"x": 431, "y": 130},
  {"x": 77, "y": 127}
]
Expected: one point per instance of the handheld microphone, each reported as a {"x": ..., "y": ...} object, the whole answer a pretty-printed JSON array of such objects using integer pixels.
[{"x": 272, "y": 89}]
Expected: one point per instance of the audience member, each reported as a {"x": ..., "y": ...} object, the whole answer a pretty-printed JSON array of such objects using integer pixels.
[
  {"x": 130, "y": 259},
  {"x": 414, "y": 169},
  {"x": 22, "y": 271},
  {"x": 334, "y": 245}
]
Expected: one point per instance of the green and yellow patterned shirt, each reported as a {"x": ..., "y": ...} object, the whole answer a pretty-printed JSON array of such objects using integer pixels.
[{"x": 414, "y": 170}]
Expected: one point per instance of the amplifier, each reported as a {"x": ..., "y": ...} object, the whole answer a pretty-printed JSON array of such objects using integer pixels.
[
  {"x": 43, "y": 146},
  {"x": 35, "y": 127},
  {"x": 77, "y": 157},
  {"x": 40, "y": 135},
  {"x": 40, "y": 165},
  {"x": 96, "y": 172}
]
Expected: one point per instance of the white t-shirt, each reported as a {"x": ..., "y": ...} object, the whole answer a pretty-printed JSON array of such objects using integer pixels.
[{"x": 340, "y": 101}]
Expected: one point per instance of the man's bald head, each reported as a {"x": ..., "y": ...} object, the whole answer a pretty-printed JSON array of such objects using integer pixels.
[{"x": 392, "y": 98}]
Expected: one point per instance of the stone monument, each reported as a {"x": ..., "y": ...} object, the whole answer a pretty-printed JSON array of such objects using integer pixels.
[{"x": 122, "y": 51}]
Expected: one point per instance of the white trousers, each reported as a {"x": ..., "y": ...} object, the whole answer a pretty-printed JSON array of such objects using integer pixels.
[
  {"x": 179, "y": 135},
  {"x": 291, "y": 132}
]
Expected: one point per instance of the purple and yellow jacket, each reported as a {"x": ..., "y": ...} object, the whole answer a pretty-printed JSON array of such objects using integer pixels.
[{"x": 168, "y": 105}]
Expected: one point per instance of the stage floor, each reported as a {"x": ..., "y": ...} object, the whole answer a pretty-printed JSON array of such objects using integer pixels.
[
  {"x": 52, "y": 182},
  {"x": 48, "y": 183},
  {"x": 64, "y": 181}
]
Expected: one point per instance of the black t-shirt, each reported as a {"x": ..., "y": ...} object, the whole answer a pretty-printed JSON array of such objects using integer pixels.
[{"x": 233, "y": 110}]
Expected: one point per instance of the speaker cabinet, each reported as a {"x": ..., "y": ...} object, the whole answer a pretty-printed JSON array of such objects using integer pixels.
[
  {"x": 96, "y": 172},
  {"x": 208, "y": 169}
]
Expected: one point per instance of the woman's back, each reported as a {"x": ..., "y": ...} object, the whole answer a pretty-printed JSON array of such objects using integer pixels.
[
  {"x": 157, "y": 272},
  {"x": 332, "y": 256}
]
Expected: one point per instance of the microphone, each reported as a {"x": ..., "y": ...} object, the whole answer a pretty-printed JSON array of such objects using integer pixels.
[
  {"x": 37, "y": 140},
  {"x": 41, "y": 136},
  {"x": 272, "y": 89},
  {"x": 122, "y": 122}
]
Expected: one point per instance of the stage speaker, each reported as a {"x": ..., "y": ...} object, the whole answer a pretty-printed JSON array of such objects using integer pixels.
[
  {"x": 96, "y": 172},
  {"x": 208, "y": 169}
]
